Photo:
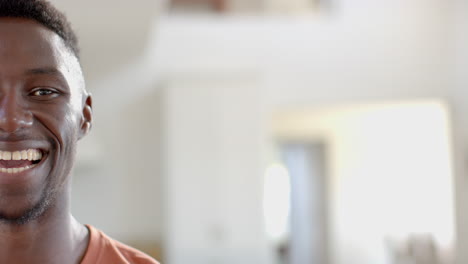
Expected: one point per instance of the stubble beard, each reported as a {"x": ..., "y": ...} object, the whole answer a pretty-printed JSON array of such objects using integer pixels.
[{"x": 39, "y": 209}]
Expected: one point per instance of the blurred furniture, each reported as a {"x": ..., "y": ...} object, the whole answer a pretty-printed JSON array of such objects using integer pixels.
[
  {"x": 213, "y": 5},
  {"x": 415, "y": 249}
]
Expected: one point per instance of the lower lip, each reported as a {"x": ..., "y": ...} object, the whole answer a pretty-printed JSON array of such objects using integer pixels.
[
  {"x": 19, "y": 177},
  {"x": 15, "y": 178}
]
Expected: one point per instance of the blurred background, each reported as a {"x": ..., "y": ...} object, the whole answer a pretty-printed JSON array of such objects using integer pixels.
[{"x": 277, "y": 131}]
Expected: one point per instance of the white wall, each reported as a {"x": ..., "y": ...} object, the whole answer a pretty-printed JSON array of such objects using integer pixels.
[
  {"x": 395, "y": 53},
  {"x": 118, "y": 175},
  {"x": 213, "y": 178}
]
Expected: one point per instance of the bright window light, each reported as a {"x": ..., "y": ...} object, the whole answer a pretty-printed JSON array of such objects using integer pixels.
[{"x": 276, "y": 201}]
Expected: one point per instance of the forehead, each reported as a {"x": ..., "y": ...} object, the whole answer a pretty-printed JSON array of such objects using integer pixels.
[{"x": 26, "y": 43}]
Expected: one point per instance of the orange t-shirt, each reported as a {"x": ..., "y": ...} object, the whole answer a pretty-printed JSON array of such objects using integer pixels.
[{"x": 103, "y": 250}]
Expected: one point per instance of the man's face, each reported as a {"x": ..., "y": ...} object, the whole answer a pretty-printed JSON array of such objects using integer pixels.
[{"x": 43, "y": 113}]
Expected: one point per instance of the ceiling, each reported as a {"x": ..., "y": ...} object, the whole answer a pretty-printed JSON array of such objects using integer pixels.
[
  {"x": 114, "y": 33},
  {"x": 111, "y": 33}
]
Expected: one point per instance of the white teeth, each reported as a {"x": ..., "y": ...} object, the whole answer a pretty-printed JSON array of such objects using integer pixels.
[
  {"x": 15, "y": 170},
  {"x": 30, "y": 154},
  {"x": 24, "y": 154},
  {"x": 16, "y": 155},
  {"x": 37, "y": 155},
  {"x": 6, "y": 155}
]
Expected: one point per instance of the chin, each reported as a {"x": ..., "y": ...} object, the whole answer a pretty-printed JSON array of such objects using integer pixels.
[{"x": 25, "y": 211}]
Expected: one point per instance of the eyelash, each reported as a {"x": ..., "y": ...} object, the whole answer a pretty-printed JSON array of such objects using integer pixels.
[{"x": 48, "y": 92}]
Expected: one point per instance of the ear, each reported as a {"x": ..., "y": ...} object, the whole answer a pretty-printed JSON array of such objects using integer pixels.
[{"x": 87, "y": 116}]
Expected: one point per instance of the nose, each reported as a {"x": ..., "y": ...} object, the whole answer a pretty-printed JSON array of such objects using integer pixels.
[{"x": 13, "y": 116}]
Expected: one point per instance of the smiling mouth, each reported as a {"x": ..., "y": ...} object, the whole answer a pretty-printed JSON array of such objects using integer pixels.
[{"x": 19, "y": 161}]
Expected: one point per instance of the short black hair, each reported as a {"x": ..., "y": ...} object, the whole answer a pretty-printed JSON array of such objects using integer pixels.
[{"x": 45, "y": 13}]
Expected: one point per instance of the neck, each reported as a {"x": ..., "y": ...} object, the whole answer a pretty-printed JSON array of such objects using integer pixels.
[{"x": 55, "y": 237}]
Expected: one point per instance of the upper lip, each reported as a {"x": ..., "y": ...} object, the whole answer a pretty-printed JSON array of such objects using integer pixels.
[
  {"x": 23, "y": 140},
  {"x": 23, "y": 145}
]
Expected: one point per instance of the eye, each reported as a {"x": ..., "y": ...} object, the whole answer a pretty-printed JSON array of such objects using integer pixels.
[{"x": 44, "y": 92}]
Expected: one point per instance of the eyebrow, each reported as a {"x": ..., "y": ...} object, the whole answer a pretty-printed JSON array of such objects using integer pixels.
[{"x": 41, "y": 71}]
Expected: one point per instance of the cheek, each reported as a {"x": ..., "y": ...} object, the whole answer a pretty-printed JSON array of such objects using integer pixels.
[
  {"x": 68, "y": 130},
  {"x": 59, "y": 121},
  {"x": 60, "y": 129},
  {"x": 65, "y": 150}
]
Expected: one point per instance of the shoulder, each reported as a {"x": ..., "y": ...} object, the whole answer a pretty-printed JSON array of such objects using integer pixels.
[
  {"x": 131, "y": 254},
  {"x": 103, "y": 249}
]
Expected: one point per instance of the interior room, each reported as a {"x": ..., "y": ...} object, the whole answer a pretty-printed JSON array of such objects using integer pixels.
[{"x": 276, "y": 131}]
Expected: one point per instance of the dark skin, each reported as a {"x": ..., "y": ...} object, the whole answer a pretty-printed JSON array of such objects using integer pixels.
[{"x": 43, "y": 105}]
